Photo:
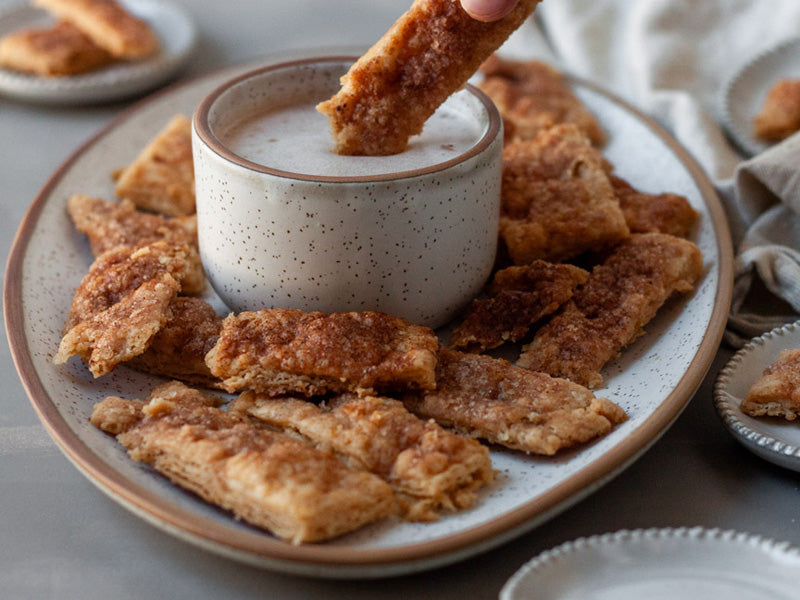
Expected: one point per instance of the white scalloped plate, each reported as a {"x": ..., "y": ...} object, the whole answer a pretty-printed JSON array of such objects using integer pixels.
[
  {"x": 773, "y": 439},
  {"x": 660, "y": 564},
  {"x": 653, "y": 380},
  {"x": 177, "y": 36},
  {"x": 743, "y": 96}
]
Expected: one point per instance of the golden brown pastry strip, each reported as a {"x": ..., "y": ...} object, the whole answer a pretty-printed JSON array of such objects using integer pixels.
[
  {"x": 108, "y": 225},
  {"x": 429, "y": 53},
  {"x": 161, "y": 178},
  {"x": 269, "y": 479},
  {"x": 108, "y": 24},
  {"x": 492, "y": 399},
  {"x": 52, "y": 51},
  {"x": 287, "y": 351},
  {"x": 650, "y": 213},
  {"x": 118, "y": 272},
  {"x": 122, "y": 331},
  {"x": 556, "y": 199},
  {"x": 533, "y": 96},
  {"x": 777, "y": 392},
  {"x": 519, "y": 296},
  {"x": 620, "y": 297},
  {"x": 779, "y": 116},
  {"x": 179, "y": 348},
  {"x": 429, "y": 468}
]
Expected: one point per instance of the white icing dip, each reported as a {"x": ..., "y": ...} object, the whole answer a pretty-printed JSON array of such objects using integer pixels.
[{"x": 297, "y": 139}]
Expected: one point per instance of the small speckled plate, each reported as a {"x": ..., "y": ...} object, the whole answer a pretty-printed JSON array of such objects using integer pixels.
[
  {"x": 744, "y": 95},
  {"x": 653, "y": 379},
  {"x": 771, "y": 438},
  {"x": 177, "y": 36},
  {"x": 656, "y": 564}
]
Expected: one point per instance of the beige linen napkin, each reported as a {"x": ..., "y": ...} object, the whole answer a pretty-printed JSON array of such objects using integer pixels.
[
  {"x": 768, "y": 188},
  {"x": 671, "y": 58}
]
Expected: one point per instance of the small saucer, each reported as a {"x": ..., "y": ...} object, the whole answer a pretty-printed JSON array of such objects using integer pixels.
[
  {"x": 773, "y": 439},
  {"x": 176, "y": 33},
  {"x": 686, "y": 563},
  {"x": 744, "y": 95}
]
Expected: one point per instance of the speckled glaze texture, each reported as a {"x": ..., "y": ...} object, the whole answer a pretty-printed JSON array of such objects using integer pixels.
[{"x": 417, "y": 244}]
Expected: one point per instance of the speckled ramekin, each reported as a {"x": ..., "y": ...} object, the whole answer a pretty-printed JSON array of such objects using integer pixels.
[{"x": 416, "y": 244}]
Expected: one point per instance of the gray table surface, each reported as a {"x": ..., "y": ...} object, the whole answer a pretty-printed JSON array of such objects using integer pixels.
[{"x": 62, "y": 538}]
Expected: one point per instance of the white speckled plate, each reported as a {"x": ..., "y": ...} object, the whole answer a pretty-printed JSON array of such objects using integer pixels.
[
  {"x": 660, "y": 564},
  {"x": 773, "y": 439},
  {"x": 743, "y": 96},
  {"x": 176, "y": 34},
  {"x": 653, "y": 380}
]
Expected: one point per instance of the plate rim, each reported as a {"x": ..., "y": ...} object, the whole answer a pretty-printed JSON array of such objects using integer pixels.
[
  {"x": 765, "y": 445},
  {"x": 84, "y": 89},
  {"x": 651, "y": 535},
  {"x": 329, "y": 561}
]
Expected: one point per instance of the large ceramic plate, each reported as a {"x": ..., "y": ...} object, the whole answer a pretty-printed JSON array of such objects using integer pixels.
[
  {"x": 177, "y": 36},
  {"x": 660, "y": 564},
  {"x": 744, "y": 94},
  {"x": 653, "y": 380},
  {"x": 774, "y": 439}
]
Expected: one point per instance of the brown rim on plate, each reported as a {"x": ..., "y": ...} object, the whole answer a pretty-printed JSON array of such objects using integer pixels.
[
  {"x": 261, "y": 549},
  {"x": 203, "y": 129}
]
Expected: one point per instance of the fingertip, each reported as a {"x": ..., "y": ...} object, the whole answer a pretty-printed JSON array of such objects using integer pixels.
[{"x": 488, "y": 10}]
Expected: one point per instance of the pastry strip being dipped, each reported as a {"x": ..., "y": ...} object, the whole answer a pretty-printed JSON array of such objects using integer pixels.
[{"x": 429, "y": 53}]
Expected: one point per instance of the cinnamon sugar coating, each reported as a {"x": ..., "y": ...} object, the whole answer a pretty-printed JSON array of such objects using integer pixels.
[
  {"x": 179, "y": 348},
  {"x": 556, "y": 198},
  {"x": 649, "y": 213},
  {"x": 285, "y": 351},
  {"x": 777, "y": 392},
  {"x": 492, "y": 399},
  {"x": 59, "y": 50},
  {"x": 429, "y": 468},
  {"x": 269, "y": 479},
  {"x": 610, "y": 311},
  {"x": 118, "y": 272},
  {"x": 519, "y": 296},
  {"x": 429, "y": 53},
  {"x": 108, "y": 225},
  {"x": 161, "y": 178},
  {"x": 108, "y": 24},
  {"x": 779, "y": 116},
  {"x": 123, "y": 330},
  {"x": 533, "y": 96}
]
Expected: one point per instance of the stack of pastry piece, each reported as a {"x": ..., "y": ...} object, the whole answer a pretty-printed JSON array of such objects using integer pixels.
[
  {"x": 347, "y": 418},
  {"x": 139, "y": 303},
  {"x": 372, "y": 390},
  {"x": 342, "y": 419},
  {"x": 87, "y": 35},
  {"x": 562, "y": 203}
]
